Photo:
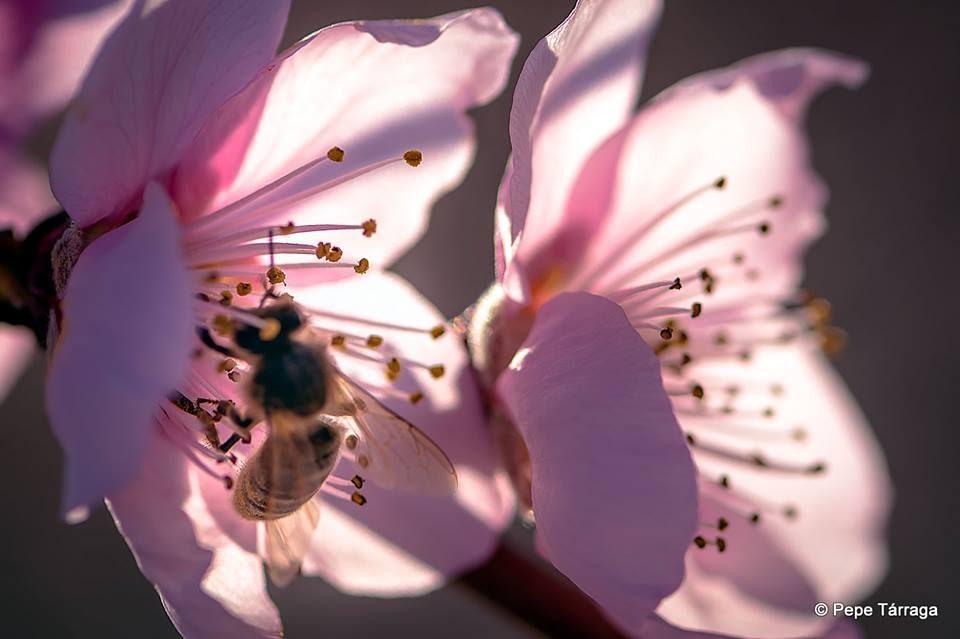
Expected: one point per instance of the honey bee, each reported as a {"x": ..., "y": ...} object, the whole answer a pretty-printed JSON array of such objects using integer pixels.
[{"x": 313, "y": 412}]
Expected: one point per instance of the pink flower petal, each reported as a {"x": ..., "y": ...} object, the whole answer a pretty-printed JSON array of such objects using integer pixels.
[
  {"x": 682, "y": 144},
  {"x": 54, "y": 41},
  {"x": 17, "y": 346},
  {"x": 165, "y": 68},
  {"x": 843, "y": 508},
  {"x": 124, "y": 344},
  {"x": 402, "y": 543},
  {"x": 25, "y": 196},
  {"x": 210, "y": 586},
  {"x": 375, "y": 89},
  {"x": 577, "y": 87},
  {"x": 614, "y": 489}
]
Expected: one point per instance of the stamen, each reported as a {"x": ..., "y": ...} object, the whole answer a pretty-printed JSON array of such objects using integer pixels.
[
  {"x": 583, "y": 282},
  {"x": 757, "y": 460}
]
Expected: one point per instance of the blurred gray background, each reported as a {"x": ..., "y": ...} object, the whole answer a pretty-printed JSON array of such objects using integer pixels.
[{"x": 888, "y": 153}]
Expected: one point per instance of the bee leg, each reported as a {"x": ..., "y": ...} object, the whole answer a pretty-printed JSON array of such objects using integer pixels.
[
  {"x": 242, "y": 423},
  {"x": 204, "y": 334},
  {"x": 179, "y": 400}
]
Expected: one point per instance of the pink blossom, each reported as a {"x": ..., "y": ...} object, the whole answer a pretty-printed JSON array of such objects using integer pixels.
[
  {"x": 190, "y": 157},
  {"x": 666, "y": 414},
  {"x": 44, "y": 52},
  {"x": 45, "y": 46}
]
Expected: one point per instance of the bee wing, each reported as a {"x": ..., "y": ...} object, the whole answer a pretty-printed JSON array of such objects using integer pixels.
[
  {"x": 288, "y": 540},
  {"x": 397, "y": 454}
]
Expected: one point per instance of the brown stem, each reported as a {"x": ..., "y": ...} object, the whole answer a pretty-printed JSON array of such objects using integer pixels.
[{"x": 537, "y": 596}]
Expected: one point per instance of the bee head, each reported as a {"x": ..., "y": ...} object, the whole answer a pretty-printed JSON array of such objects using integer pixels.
[{"x": 252, "y": 339}]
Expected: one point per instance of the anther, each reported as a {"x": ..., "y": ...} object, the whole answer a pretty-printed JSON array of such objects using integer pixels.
[
  {"x": 374, "y": 341},
  {"x": 358, "y": 498},
  {"x": 228, "y": 482},
  {"x": 338, "y": 340},
  {"x": 275, "y": 275},
  {"x": 357, "y": 481},
  {"x": 676, "y": 285},
  {"x": 244, "y": 288},
  {"x": 437, "y": 331},
  {"x": 775, "y": 202},
  {"x": 227, "y": 365},
  {"x": 351, "y": 441},
  {"x": 334, "y": 254},
  {"x": 226, "y": 298},
  {"x": 738, "y": 258},
  {"x": 763, "y": 228},
  {"x": 696, "y": 309},
  {"x": 720, "y": 182},
  {"x": 222, "y": 325},
  {"x": 233, "y": 376},
  {"x": 754, "y": 518},
  {"x": 287, "y": 228},
  {"x": 416, "y": 397},
  {"x": 697, "y": 391},
  {"x": 335, "y": 154},
  {"x": 721, "y": 544},
  {"x": 666, "y": 334},
  {"x": 413, "y": 157},
  {"x": 362, "y": 461},
  {"x": 322, "y": 249},
  {"x": 722, "y": 523},
  {"x": 436, "y": 371},
  {"x": 362, "y": 266},
  {"x": 369, "y": 227},
  {"x": 270, "y": 329},
  {"x": 700, "y": 542},
  {"x": 393, "y": 368}
]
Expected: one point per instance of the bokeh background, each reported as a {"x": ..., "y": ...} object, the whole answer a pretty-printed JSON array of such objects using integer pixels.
[{"x": 888, "y": 153}]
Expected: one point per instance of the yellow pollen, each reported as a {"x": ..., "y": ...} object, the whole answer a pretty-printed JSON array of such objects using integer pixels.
[
  {"x": 275, "y": 275},
  {"x": 322, "y": 249},
  {"x": 374, "y": 341},
  {"x": 244, "y": 288},
  {"x": 369, "y": 227},
  {"x": 362, "y": 266},
  {"x": 416, "y": 397},
  {"x": 413, "y": 157},
  {"x": 358, "y": 499},
  {"x": 222, "y": 325},
  {"x": 335, "y": 154},
  {"x": 226, "y": 298},
  {"x": 334, "y": 254},
  {"x": 270, "y": 330},
  {"x": 437, "y": 371},
  {"x": 227, "y": 365},
  {"x": 437, "y": 331},
  {"x": 338, "y": 340},
  {"x": 287, "y": 228}
]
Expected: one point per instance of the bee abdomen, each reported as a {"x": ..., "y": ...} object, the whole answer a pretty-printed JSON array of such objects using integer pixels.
[{"x": 286, "y": 473}]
